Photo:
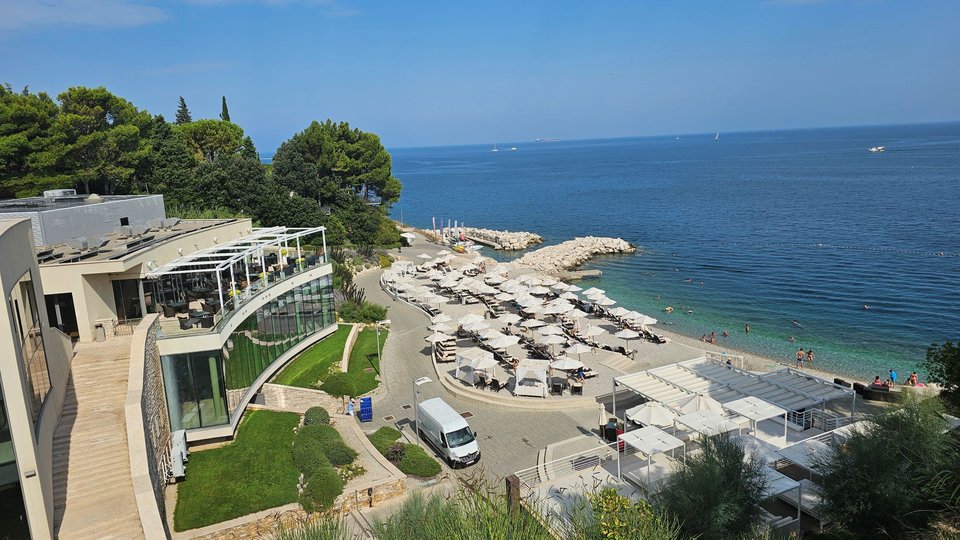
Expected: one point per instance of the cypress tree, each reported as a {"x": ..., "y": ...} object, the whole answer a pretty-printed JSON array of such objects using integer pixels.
[
  {"x": 224, "y": 113},
  {"x": 183, "y": 114}
]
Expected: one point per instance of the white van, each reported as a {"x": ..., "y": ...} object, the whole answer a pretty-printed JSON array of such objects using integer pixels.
[{"x": 448, "y": 432}]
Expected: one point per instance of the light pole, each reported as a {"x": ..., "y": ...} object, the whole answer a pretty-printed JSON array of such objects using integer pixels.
[
  {"x": 378, "y": 324},
  {"x": 416, "y": 394}
]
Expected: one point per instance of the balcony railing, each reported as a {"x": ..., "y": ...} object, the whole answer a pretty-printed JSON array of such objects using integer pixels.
[{"x": 196, "y": 323}]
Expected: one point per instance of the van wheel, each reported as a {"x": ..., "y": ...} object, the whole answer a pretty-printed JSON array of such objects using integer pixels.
[{"x": 450, "y": 463}]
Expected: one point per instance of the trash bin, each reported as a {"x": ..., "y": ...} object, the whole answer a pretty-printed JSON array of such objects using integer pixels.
[
  {"x": 610, "y": 431},
  {"x": 99, "y": 334}
]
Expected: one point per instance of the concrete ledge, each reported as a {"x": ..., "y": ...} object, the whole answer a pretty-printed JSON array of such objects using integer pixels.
[
  {"x": 348, "y": 347},
  {"x": 150, "y": 520}
]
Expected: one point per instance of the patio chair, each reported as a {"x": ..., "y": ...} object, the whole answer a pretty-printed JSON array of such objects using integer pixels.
[
  {"x": 185, "y": 323},
  {"x": 206, "y": 322},
  {"x": 495, "y": 385}
]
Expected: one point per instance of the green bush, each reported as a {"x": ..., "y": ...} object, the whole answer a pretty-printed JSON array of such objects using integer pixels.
[
  {"x": 395, "y": 453},
  {"x": 320, "y": 432},
  {"x": 383, "y": 438},
  {"x": 316, "y": 416},
  {"x": 339, "y": 385},
  {"x": 418, "y": 463},
  {"x": 308, "y": 454},
  {"x": 366, "y": 312},
  {"x": 607, "y": 514},
  {"x": 323, "y": 487},
  {"x": 338, "y": 452},
  {"x": 385, "y": 261}
]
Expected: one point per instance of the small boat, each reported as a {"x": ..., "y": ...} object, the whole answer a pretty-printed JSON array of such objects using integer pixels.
[
  {"x": 877, "y": 149},
  {"x": 717, "y": 138},
  {"x": 513, "y": 148},
  {"x": 494, "y": 149}
]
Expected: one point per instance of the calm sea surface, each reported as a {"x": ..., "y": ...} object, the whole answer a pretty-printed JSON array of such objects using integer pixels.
[{"x": 804, "y": 226}]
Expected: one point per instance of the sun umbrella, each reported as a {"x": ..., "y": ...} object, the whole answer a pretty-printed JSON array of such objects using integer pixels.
[
  {"x": 556, "y": 309},
  {"x": 503, "y": 341},
  {"x": 437, "y": 299},
  {"x": 604, "y": 301},
  {"x": 627, "y": 334},
  {"x": 494, "y": 280},
  {"x": 566, "y": 364},
  {"x": 593, "y": 290},
  {"x": 490, "y": 333},
  {"x": 476, "y": 326},
  {"x": 651, "y": 413},
  {"x": 440, "y": 327},
  {"x": 594, "y": 331},
  {"x": 578, "y": 349},
  {"x": 530, "y": 302},
  {"x": 424, "y": 256},
  {"x": 602, "y": 420},
  {"x": 568, "y": 296},
  {"x": 442, "y": 317},
  {"x": 437, "y": 337},
  {"x": 551, "y": 340},
  {"x": 469, "y": 318},
  {"x": 539, "y": 290},
  {"x": 485, "y": 363},
  {"x": 504, "y": 297},
  {"x": 699, "y": 402},
  {"x": 619, "y": 311},
  {"x": 559, "y": 286},
  {"x": 509, "y": 318},
  {"x": 551, "y": 330},
  {"x": 533, "y": 309},
  {"x": 532, "y": 323},
  {"x": 548, "y": 281},
  {"x": 577, "y": 314},
  {"x": 573, "y": 288}
]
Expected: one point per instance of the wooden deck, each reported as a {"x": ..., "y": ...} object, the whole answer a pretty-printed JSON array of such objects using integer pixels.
[{"x": 93, "y": 491}]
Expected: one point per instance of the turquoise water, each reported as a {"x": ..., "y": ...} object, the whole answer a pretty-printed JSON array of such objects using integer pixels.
[{"x": 804, "y": 226}]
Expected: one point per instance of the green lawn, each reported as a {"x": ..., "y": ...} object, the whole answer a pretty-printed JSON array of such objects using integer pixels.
[
  {"x": 313, "y": 364},
  {"x": 364, "y": 357},
  {"x": 253, "y": 473}
]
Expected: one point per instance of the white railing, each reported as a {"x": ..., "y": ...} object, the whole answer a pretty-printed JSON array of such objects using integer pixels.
[{"x": 534, "y": 477}]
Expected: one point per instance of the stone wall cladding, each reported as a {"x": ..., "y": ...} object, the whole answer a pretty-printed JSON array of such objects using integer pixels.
[
  {"x": 155, "y": 420},
  {"x": 292, "y": 399}
]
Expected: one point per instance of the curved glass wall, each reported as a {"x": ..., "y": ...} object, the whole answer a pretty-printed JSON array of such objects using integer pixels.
[{"x": 204, "y": 388}]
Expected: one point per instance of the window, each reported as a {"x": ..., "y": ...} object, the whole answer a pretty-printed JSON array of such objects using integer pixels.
[
  {"x": 26, "y": 318},
  {"x": 126, "y": 297}
]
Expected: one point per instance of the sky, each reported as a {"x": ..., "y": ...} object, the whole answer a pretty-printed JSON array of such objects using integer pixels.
[{"x": 437, "y": 73}]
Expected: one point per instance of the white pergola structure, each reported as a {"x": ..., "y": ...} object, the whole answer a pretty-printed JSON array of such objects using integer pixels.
[
  {"x": 224, "y": 257},
  {"x": 648, "y": 441},
  {"x": 806, "y": 453},
  {"x": 778, "y": 483},
  {"x": 757, "y": 410},
  {"x": 707, "y": 423}
]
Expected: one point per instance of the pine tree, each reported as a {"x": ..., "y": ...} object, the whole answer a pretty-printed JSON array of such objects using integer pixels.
[
  {"x": 224, "y": 113},
  {"x": 183, "y": 114}
]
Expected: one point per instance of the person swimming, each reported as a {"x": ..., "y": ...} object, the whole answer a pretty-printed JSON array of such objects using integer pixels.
[{"x": 865, "y": 306}]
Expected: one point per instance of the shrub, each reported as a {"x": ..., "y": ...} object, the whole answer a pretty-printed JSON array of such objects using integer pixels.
[
  {"x": 418, "y": 463},
  {"x": 308, "y": 454},
  {"x": 363, "y": 312},
  {"x": 349, "y": 472},
  {"x": 943, "y": 364},
  {"x": 395, "y": 453},
  {"x": 716, "y": 495},
  {"x": 316, "y": 416},
  {"x": 323, "y": 487},
  {"x": 383, "y": 438},
  {"x": 320, "y": 432},
  {"x": 609, "y": 515},
  {"x": 385, "y": 261},
  {"x": 340, "y": 385},
  {"x": 338, "y": 453}
]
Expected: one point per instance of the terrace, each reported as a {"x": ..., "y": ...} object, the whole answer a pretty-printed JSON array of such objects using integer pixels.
[{"x": 199, "y": 293}]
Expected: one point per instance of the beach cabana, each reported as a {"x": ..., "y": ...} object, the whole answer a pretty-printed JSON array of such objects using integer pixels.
[
  {"x": 531, "y": 378},
  {"x": 651, "y": 413},
  {"x": 698, "y": 403},
  {"x": 806, "y": 453},
  {"x": 757, "y": 410},
  {"x": 779, "y": 484},
  {"x": 649, "y": 441},
  {"x": 472, "y": 360},
  {"x": 707, "y": 423}
]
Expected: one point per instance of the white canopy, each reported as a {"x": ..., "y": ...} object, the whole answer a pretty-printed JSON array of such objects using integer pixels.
[
  {"x": 566, "y": 364},
  {"x": 503, "y": 341},
  {"x": 532, "y": 369},
  {"x": 754, "y": 408},
  {"x": 594, "y": 331},
  {"x": 550, "y": 330},
  {"x": 699, "y": 402},
  {"x": 649, "y": 440},
  {"x": 469, "y": 318},
  {"x": 707, "y": 423},
  {"x": 651, "y": 413},
  {"x": 476, "y": 326},
  {"x": 777, "y": 483},
  {"x": 626, "y": 333},
  {"x": 805, "y": 453},
  {"x": 438, "y": 337},
  {"x": 509, "y": 318},
  {"x": 471, "y": 360},
  {"x": 532, "y": 323}
]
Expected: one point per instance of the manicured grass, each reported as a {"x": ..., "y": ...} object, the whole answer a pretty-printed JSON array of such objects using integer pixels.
[
  {"x": 313, "y": 364},
  {"x": 363, "y": 357},
  {"x": 253, "y": 473},
  {"x": 416, "y": 461}
]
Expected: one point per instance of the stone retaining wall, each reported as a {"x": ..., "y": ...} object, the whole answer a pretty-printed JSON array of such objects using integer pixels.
[
  {"x": 506, "y": 240},
  {"x": 572, "y": 253},
  {"x": 298, "y": 400}
]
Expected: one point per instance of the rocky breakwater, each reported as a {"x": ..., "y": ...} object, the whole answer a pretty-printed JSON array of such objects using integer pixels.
[
  {"x": 505, "y": 240},
  {"x": 572, "y": 253}
]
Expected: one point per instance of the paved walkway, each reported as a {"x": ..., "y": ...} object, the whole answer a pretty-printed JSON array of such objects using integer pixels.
[
  {"x": 509, "y": 439},
  {"x": 93, "y": 492}
]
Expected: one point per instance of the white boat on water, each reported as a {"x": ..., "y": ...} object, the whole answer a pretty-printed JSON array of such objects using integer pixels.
[
  {"x": 494, "y": 149},
  {"x": 717, "y": 138},
  {"x": 877, "y": 149},
  {"x": 513, "y": 148}
]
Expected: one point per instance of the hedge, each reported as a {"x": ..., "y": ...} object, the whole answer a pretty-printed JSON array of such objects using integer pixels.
[
  {"x": 338, "y": 453},
  {"x": 323, "y": 487},
  {"x": 308, "y": 454},
  {"x": 316, "y": 415}
]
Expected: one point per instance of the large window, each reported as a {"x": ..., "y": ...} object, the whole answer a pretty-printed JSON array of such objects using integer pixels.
[
  {"x": 204, "y": 388},
  {"x": 126, "y": 296},
  {"x": 26, "y": 319}
]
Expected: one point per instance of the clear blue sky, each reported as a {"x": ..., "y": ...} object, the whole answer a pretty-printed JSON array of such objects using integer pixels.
[{"x": 451, "y": 72}]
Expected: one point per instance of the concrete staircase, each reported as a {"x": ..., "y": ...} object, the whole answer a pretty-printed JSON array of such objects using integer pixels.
[{"x": 93, "y": 492}]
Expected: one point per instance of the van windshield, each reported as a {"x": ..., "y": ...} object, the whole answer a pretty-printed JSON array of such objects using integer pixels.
[{"x": 459, "y": 437}]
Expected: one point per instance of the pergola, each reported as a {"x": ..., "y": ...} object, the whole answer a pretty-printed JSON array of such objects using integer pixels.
[
  {"x": 757, "y": 410},
  {"x": 707, "y": 423},
  {"x": 806, "y": 453},
  {"x": 648, "y": 441},
  {"x": 225, "y": 257}
]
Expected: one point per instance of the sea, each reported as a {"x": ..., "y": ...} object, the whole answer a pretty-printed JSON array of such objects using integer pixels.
[{"x": 805, "y": 235}]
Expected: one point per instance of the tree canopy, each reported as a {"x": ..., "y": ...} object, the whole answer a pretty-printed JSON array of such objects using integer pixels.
[
  {"x": 943, "y": 365},
  {"x": 183, "y": 113}
]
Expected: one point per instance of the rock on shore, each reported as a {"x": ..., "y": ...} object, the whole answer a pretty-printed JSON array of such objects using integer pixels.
[
  {"x": 572, "y": 253},
  {"x": 505, "y": 240}
]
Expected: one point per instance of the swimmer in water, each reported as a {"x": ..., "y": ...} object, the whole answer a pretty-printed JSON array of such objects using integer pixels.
[
  {"x": 689, "y": 280},
  {"x": 726, "y": 334},
  {"x": 792, "y": 339},
  {"x": 866, "y": 306},
  {"x": 701, "y": 284}
]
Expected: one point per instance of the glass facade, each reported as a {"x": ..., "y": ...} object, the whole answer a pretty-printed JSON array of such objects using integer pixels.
[
  {"x": 26, "y": 318},
  {"x": 204, "y": 388}
]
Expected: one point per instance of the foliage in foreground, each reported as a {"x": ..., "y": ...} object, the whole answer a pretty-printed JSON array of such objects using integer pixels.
[
  {"x": 316, "y": 415},
  {"x": 716, "y": 494},
  {"x": 316, "y": 449},
  {"x": 943, "y": 366},
  {"x": 608, "y": 515},
  {"x": 409, "y": 458},
  {"x": 253, "y": 473},
  {"x": 900, "y": 476},
  {"x": 363, "y": 312}
]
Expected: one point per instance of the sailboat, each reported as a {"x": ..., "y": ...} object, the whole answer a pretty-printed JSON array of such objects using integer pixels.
[
  {"x": 494, "y": 148},
  {"x": 717, "y": 138}
]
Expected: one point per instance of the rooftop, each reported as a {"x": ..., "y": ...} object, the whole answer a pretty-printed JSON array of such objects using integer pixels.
[{"x": 58, "y": 202}]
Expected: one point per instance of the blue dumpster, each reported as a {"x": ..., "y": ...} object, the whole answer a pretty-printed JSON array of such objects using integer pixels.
[{"x": 366, "y": 409}]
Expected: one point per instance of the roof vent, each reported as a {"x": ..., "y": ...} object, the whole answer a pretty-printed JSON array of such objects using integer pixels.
[
  {"x": 93, "y": 199},
  {"x": 123, "y": 232},
  {"x": 54, "y": 193},
  {"x": 79, "y": 243},
  {"x": 170, "y": 223},
  {"x": 99, "y": 242}
]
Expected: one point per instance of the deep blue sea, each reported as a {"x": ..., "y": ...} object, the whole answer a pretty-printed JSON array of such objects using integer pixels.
[{"x": 779, "y": 226}]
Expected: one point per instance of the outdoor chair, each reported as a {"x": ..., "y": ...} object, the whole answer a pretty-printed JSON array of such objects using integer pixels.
[
  {"x": 168, "y": 311},
  {"x": 206, "y": 322},
  {"x": 576, "y": 389},
  {"x": 185, "y": 323}
]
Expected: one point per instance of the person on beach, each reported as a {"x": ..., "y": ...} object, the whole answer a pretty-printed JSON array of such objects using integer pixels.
[
  {"x": 809, "y": 357},
  {"x": 893, "y": 377},
  {"x": 800, "y": 357},
  {"x": 713, "y": 337},
  {"x": 913, "y": 380},
  {"x": 726, "y": 334},
  {"x": 350, "y": 407},
  {"x": 877, "y": 381},
  {"x": 581, "y": 376}
]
